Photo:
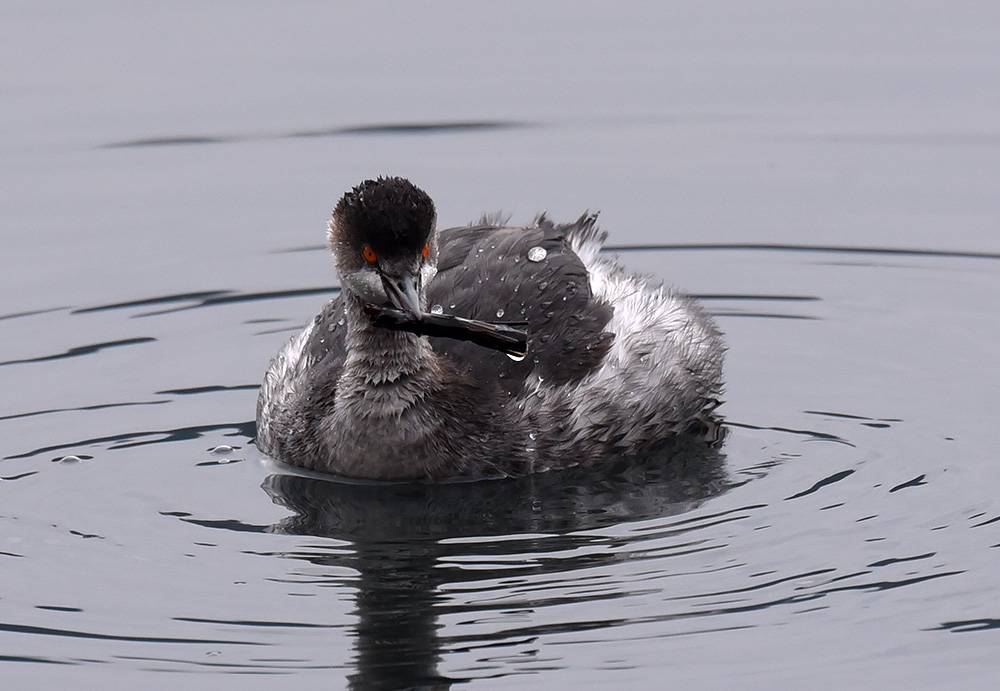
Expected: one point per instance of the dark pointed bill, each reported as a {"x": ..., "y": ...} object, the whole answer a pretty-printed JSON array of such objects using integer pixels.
[
  {"x": 404, "y": 291},
  {"x": 507, "y": 337}
]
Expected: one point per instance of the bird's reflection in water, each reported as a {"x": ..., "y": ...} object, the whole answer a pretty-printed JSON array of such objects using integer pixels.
[{"x": 401, "y": 534}]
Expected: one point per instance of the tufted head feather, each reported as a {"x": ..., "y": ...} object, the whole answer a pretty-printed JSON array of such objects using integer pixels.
[{"x": 391, "y": 215}]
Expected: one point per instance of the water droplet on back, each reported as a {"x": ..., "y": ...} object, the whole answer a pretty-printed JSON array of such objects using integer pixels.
[
  {"x": 437, "y": 309},
  {"x": 536, "y": 254},
  {"x": 500, "y": 313}
]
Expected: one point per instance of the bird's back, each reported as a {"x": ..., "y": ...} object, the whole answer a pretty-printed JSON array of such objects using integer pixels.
[{"x": 527, "y": 275}]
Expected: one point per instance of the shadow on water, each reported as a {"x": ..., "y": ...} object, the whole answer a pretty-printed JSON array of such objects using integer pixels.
[
  {"x": 404, "y": 128},
  {"x": 406, "y": 539},
  {"x": 206, "y": 299},
  {"x": 126, "y": 440},
  {"x": 790, "y": 248},
  {"x": 80, "y": 350}
]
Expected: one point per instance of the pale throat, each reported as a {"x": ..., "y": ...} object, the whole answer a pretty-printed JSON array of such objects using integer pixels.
[{"x": 380, "y": 357}]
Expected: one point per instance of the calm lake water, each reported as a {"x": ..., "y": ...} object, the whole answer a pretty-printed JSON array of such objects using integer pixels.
[{"x": 826, "y": 177}]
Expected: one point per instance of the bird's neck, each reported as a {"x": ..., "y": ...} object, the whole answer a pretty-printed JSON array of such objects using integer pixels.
[{"x": 383, "y": 358}]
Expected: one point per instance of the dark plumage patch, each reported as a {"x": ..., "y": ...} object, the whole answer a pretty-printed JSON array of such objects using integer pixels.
[
  {"x": 484, "y": 273},
  {"x": 391, "y": 215}
]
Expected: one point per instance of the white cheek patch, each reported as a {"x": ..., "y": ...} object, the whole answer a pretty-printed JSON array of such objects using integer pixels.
[
  {"x": 367, "y": 285},
  {"x": 427, "y": 273}
]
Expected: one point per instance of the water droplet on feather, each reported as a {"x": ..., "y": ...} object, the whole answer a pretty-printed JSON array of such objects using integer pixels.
[{"x": 536, "y": 254}]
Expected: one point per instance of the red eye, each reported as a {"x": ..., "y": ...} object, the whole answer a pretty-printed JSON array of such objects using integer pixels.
[
  {"x": 427, "y": 250},
  {"x": 369, "y": 254}
]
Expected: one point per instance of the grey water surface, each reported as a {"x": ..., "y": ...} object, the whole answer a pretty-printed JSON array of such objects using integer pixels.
[{"x": 826, "y": 176}]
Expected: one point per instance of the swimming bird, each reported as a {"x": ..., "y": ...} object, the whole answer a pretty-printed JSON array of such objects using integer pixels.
[{"x": 615, "y": 363}]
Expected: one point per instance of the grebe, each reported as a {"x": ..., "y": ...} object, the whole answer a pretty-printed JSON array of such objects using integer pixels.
[{"x": 614, "y": 363}]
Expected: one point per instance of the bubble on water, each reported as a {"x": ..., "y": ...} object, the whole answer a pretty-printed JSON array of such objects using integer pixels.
[
  {"x": 500, "y": 313},
  {"x": 536, "y": 254},
  {"x": 71, "y": 459},
  {"x": 437, "y": 309}
]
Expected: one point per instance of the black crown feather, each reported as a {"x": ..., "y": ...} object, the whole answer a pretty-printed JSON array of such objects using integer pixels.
[{"x": 392, "y": 215}]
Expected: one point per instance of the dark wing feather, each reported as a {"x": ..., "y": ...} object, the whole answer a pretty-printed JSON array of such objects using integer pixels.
[{"x": 484, "y": 273}]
